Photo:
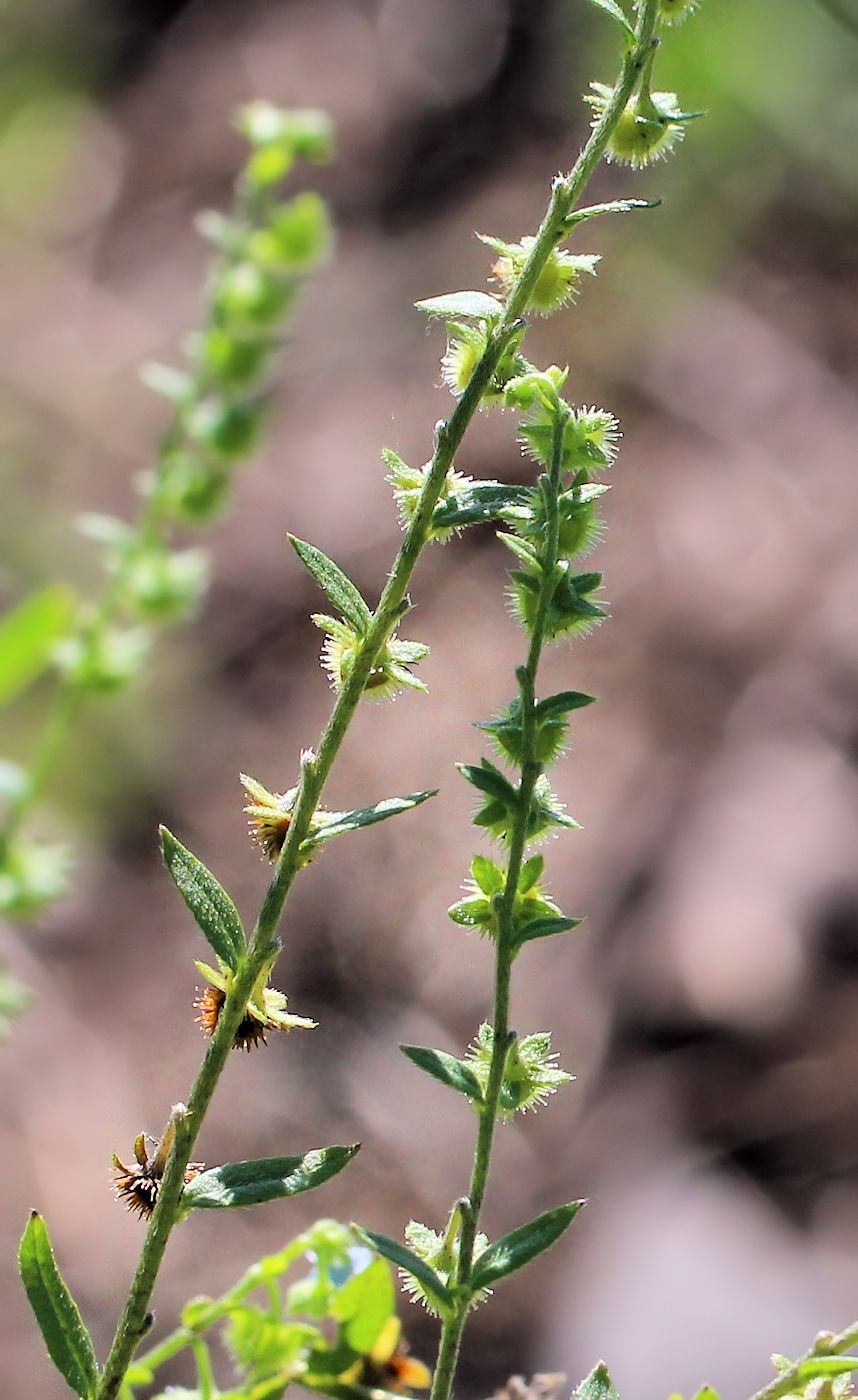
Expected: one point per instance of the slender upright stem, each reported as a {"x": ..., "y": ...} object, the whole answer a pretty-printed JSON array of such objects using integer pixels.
[
  {"x": 316, "y": 767},
  {"x": 566, "y": 192}
]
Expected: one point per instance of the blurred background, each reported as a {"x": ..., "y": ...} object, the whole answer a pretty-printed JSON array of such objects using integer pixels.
[{"x": 708, "y": 1003}]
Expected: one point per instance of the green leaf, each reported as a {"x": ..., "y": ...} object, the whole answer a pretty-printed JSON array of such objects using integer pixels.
[
  {"x": 266, "y": 1179},
  {"x": 530, "y": 873},
  {"x": 446, "y": 1069},
  {"x": 405, "y": 1258},
  {"x": 553, "y": 706},
  {"x": 707, "y": 1393},
  {"x": 488, "y": 876},
  {"x": 516, "y": 1249},
  {"x": 484, "y": 501},
  {"x": 207, "y": 900},
  {"x": 613, "y": 206},
  {"x": 544, "y": 928},
  {"x": 597, "y": 1386},
  {"x": 333, "y": 582},
  {"x": 60, "y": 1322},
  {"x": 476, "y": 306},
  {"x": 610, "y": 7},
  {"x": 489, "y": 780},
  {"x": 366, "y": 816},
  {"x": 364, "y": 1304},
  {"x": 265, "y": 1346},
  {"x": 827, "y": 1366},
  {"x": 28, "y": 635}
]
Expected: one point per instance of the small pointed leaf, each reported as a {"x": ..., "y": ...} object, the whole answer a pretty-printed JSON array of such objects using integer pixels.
[
  {"x": 405, "y": 1258},
  {"x": 478, "y": 306},
  {"x": 490, "y": 780},
  {"x": 60, "y": 1322},
  {"x": 333, "y": 582},
  {"x": 516, "y": 1249},
  {"x": 445, "y": 1068},
  {"x": 29, "y": 633},
  {"x": 613, "y": 206},
  {"x": 484, "y": 501},
  {"x": 211, "y": 906},
  {"x": 367, "y": 816},
  {"x": 544, "y": 928},
  {"x": 610, "y": 7},
  {"x": 597, "y": 1386},
  {"x": 553, "y": 706},
  {"x": 267, "y": 1179},
  {"x": 487, "y": 876}
]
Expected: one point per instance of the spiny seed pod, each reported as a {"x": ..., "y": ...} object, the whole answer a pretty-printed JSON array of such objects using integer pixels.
[{"x": 647, "y": 129}]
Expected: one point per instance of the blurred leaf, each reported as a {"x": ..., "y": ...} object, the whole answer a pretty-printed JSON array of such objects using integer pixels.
[
  {"x": 472, "y": 305},
  {"x": 827, "y": 1366},
  {"x": 262, "y": 1345},
  {"x": 364, "y": 1304},
  {"x": 28, "y": 635},
  {"x": 610, "y": 7},
  {"x": 14, "y": 999},
  {"x": 60, "y": 1322},
  {"x": 333, "y": 582},
  {"x": 405, "y": 1258},
  {"x": 207, "y": 900},
  {"x": 516, "y": 1249},
  {"x": 367, "y": 816},
  {"x": 266, "y": 1179},
  {"x": 445, "y": 1068},
  {"x": 597, "y": 1386}
]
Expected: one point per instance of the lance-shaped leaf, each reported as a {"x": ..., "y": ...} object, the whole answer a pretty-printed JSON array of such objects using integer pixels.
[
  {"x": 405, "y": 1258},
  {"x": 60, "y": 1322},
  {"x": 597, "y": 1386},
  {"x": 446, "y": 1069},
  {"x": 610, "y": 7},
  {"x": 266, "y": 1179},
  {"x": 613, "y": 206},
  {"x": 483, "y": 501},
  {"x": 544, "y": 928},
  {"x": 474, "y": 306},
  {"x": 333, "y": 582},
  {"x": 28, "y": 636},
  {"x": 516, "y": 1249},
  {"x": 206, "y": 898},
  {"x": 365, "y": 816}
]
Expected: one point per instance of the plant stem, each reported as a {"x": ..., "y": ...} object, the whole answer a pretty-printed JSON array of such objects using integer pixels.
[
  {"x": 315, "y": 769},
  {"x": 564, "y": 197},
  {"x": 825, "y": 1345},
  {"x": 148, "y": 528}
]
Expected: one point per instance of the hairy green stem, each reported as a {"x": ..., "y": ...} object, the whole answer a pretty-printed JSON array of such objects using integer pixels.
[
  {"x": 825, "y": 1345},
  {"x": 315, "y": 768},
  {"x": 564, "y": 197}
]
